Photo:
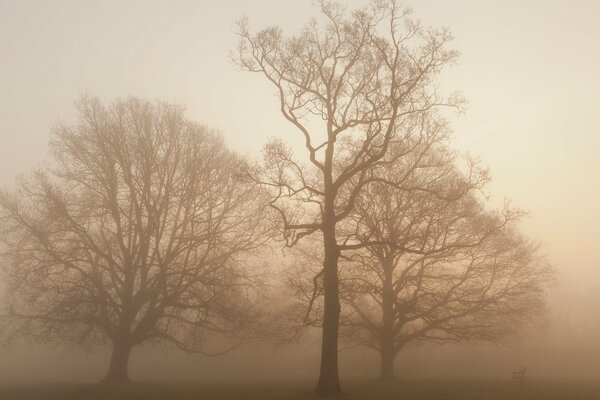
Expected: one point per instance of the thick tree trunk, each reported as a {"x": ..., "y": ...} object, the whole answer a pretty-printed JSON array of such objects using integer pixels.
[
  {"x": 387, "y": 363},
  {"x": 117, "y": 370},
  {"x": 388, "y": 352},
  {"x": 329, "y": 382}
]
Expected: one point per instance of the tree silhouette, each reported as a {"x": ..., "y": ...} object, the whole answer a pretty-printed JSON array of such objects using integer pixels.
[
  {"x": 352, "y": 85},
  {"x": 142, "y": 230},
  {"x": 439, "y": 266}
]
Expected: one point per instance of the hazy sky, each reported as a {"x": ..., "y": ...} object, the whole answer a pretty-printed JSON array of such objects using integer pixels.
[{"x": 529, "y": 69}]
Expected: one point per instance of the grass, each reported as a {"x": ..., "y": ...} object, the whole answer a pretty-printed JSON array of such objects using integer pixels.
[{"x": 422, "y": 389}]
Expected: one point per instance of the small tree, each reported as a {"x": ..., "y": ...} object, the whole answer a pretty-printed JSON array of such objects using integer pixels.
[
  {"x": 473, "y": 278},
  {"x": 352, "y": 87},
  {"x": 141, "y": 231}
]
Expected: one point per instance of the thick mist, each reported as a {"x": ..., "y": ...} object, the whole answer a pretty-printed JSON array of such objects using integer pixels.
[{"x": 520, "y": 140}]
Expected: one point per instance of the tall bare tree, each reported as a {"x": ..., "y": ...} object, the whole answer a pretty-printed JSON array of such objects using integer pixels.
[
  {"x": 143, "y": 230},
  {"x": 352, "y": 85}
]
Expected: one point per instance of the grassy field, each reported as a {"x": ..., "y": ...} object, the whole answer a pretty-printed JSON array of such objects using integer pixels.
[{"x": 372, "y": 390}]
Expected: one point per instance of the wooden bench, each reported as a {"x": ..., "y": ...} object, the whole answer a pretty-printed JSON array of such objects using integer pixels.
[{"x": 518, "y": 376}]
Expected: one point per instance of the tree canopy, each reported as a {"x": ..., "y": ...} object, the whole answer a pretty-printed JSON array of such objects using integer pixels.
[{"x": 142, "y": 229}]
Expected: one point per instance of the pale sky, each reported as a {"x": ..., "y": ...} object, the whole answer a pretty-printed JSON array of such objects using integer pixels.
[{"x": 529, "y": 70}]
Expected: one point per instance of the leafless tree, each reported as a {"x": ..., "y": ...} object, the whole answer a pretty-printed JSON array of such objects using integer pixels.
[
  {"x": 144, "y": 229},
  {"x": 353, "y": 85},
  {"x": 470, "y": 275}
]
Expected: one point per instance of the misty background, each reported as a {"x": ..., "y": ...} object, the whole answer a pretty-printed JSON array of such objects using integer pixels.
[{"x": 527, "y": 70}]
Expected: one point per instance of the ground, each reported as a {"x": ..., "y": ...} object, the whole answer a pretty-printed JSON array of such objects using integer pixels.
[{"x": 423, "y": 389}]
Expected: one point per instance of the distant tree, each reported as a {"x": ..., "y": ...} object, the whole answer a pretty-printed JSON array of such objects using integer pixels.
[
  {"x": 353, "y": 86},
  {"x": 142, "y": 230},
  {"x": 469, "y": 276},
  {"x": 476, "y": 277}
]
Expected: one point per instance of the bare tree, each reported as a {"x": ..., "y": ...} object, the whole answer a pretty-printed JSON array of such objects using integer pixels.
[
  {"x": 352, "y": 85},
  {"x": 473, "y": 278},
  {"x": 437, "y": 265},
  {"x": 143, "y": 230}
]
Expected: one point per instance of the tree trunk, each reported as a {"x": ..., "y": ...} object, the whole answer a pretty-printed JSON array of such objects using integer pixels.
[
  {"x": 329, "y": 382},
  {"x": 117, "y": 370},
  {"x": 387, "y": 329},
  {"x": 387, "y": 364}
]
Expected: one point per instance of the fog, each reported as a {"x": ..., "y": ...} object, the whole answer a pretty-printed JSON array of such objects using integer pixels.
[{"x": 528, "y": 70}]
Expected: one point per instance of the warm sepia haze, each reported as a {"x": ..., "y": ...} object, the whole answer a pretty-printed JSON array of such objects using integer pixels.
[{"x": 528, "y": 69}]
